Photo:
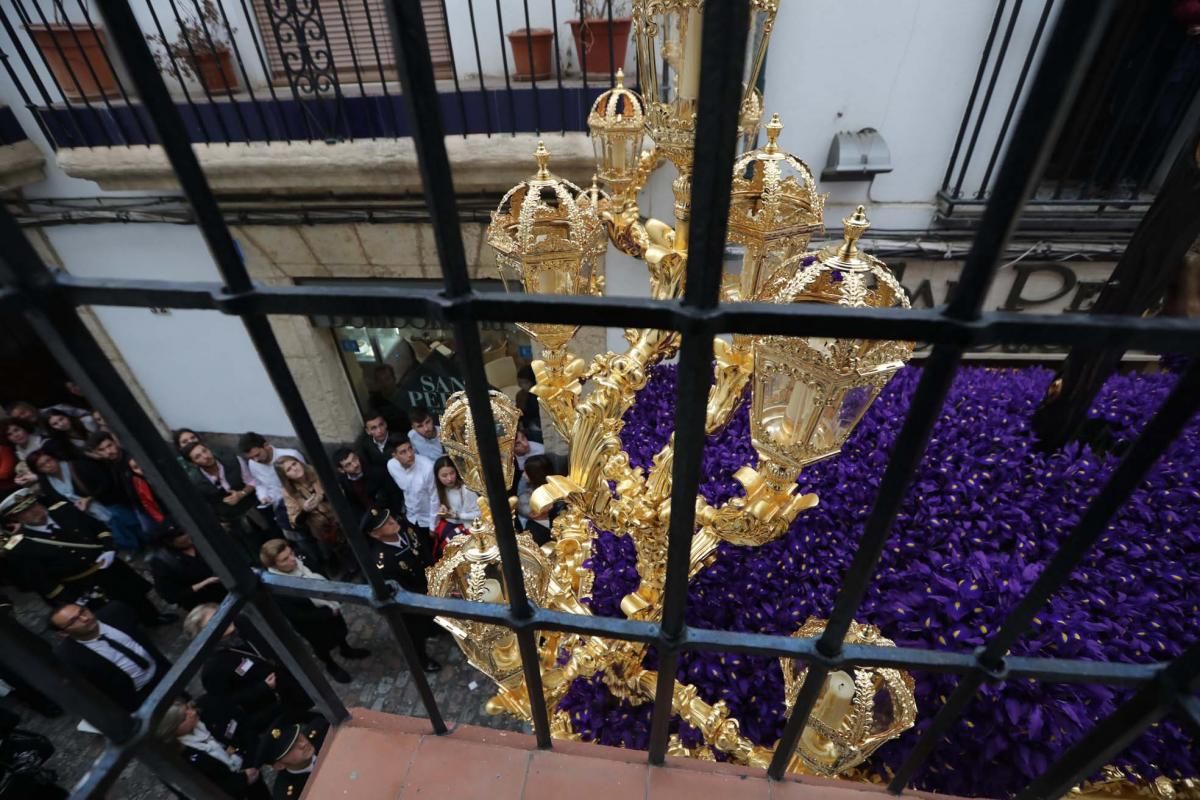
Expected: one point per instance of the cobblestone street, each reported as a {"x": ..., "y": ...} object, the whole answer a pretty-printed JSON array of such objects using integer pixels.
[{"x": 381, "y": 682}]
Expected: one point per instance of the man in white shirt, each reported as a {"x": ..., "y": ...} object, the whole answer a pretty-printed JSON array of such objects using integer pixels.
[
  {"x": 110, "y": 651},
  {"x": 261, "y": 456},
  {"x": 414, "y": 475},
  {"x": 424, "y": 434}
]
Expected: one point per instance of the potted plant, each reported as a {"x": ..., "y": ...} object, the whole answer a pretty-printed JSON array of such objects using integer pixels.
[
  {"x": 200, "y": 50},
  {"x": 531, "y": 53},
  {"x": 73, "y": 51},
  {"x": 600, "y": 43}
]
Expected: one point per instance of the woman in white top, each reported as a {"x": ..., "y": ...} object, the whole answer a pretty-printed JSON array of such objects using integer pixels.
[{"x": 453, "y": 502}]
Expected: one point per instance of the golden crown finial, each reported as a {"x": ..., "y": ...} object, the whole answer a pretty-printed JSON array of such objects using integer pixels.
[
  {"x": 774, "y": 128},
  {"x": 620, "y": 78},
  {"x": 853, "y": 227},
  {"x": 543, "y": 159}
]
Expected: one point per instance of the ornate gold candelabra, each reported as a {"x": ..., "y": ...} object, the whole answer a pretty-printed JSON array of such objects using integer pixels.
[{"x": 806, "y": 394}]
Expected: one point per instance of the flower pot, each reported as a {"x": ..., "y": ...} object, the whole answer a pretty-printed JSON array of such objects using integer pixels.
[
  {"x": 595, "y": 39},
  {"x": 531, "y": 53},
  {"x": 75, "y": 56},
  {"x": 215, "y": 70}
]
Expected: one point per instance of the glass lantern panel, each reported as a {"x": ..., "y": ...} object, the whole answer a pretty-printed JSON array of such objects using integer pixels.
[
  {"x": 556, "y": 276},
  {"x": 787, "y": 407},
  {"x": 838, "y": 420},
  {"x": 493, "y": 585}
]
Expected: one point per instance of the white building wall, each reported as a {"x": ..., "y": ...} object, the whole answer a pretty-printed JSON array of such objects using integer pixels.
[
  {"x": 903, "y": 67},
  {"x": 198, "y": 368}
]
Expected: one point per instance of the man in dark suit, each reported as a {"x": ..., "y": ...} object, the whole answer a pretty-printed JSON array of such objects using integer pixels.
[
  {"x": 374, "y": 445},
  {"x": 110, "y": 650},
  {"x": 106, "y": 472},
  {"x": 396, "y": 556},
  {"x": 242, "y": 678},
  {"x": 367, "y": 485},
  {"x": 63, "y": 554},
  {"x": 291, "y": 750},
  {"x": 181, "y": 576},
  {"x": 234, "y": 502}
]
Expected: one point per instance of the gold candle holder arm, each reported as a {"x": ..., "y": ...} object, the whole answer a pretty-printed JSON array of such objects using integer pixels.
[{"x": 735, "y": 366}]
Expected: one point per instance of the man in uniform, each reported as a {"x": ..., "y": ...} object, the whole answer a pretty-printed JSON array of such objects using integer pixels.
[
  {"x": 291, "y": 750},
  {"x": 63, "y": 555},
  {"x": 397, "y": 557}
]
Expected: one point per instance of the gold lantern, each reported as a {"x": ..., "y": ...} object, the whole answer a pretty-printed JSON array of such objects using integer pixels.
[
  {"x": 668, "y": 37},
  {"x": 809, "y": 394},
  {"x": 850, "y": 719},
  {"x": 470, "y": 569},
  {"x": 549, "y": 239},
  {"x": 462, "y": 443},
  {"x": 617, "y": 123},
  {"x": 774, "y": 209}
]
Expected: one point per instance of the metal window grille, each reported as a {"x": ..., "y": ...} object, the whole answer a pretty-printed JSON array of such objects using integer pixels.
[{"x": 49, "y": 302}]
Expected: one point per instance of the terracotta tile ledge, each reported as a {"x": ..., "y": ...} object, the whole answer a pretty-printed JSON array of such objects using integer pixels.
[{"x": 377, "y": 756}]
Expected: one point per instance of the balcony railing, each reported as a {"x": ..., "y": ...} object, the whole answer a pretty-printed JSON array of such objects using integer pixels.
[
  {"x": 1112, "y": 152},
  {"x": 297, "y": 70}
]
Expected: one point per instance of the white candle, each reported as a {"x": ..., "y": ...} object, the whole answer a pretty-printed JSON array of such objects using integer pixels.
[
  {"x": 618, "y": 155},
  {"x": 837, "y": 700},
  {"x": 689, "y": 80}
]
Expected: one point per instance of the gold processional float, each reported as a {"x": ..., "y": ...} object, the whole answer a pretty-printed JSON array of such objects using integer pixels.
[{"x": 806, "y": 397}]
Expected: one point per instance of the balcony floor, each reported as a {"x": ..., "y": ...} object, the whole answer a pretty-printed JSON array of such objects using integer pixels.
[{"x": 379, "y": 756}]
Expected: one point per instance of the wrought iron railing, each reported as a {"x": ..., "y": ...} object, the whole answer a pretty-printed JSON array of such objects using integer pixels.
[
  {"x": 1119, "y": 136},
  {"x": 292, "y": 70},
  {"x": 49, "y": 302}
]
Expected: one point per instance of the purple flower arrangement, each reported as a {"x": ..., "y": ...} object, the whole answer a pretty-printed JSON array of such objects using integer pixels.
[{"x": 981, "y": 518}]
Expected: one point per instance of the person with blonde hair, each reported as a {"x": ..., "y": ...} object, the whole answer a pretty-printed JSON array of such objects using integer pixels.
[
  {"x": 308, "y": 508},
  {"x": 319, "y": 621},
  {"x": 225, "y": 766}
]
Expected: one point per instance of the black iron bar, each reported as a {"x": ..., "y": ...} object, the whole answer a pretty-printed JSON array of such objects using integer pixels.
[
  {"x": 283, "y": 60},
  {"x": 1162, "y": 429},
  {"x": 562, "y": 101},
  {"x": 105, "y": 771},
  {"x": 1052, "y": 670},
  {"x": 195, "y": 65},
  {"x": 1148, "y": 122},
  {"x": 421, "y": 101},
  {"x": 339, "y": 101},
  {"x": 723, "y": 48},
  {"x": 175, "y": 141},
  {"x": 1011, "y": 111},
  {"x": 484, "y": 94},
  {"x": 187, "y": 95},
  {"x": 1116, "y": 127},
  {"x": 1163, "y": 334},
  {"x": 212, "y": 47},
  {"x": 508, "y": 90},
  {"x": 987, "y": 95},
  {"x": 248, "y": 84},
  {"x": 30, "y": 106},
  {"x": 262, "y": 62},
  {"x": 70, "y": 70},
  {"x": 966, "y": 119},
  {"x": 362, "y": 91},
  {"x": 83, "y": 6},
  {"x": 1156, "y": 160},
  {"x": 612, "y": 56},
  {"x": 582, "y": 44},
  {"x": 96, "y": 77},
  {"x": 458, "y": 92},
  {"x": 387, "y": 96},
  {"x": 1119, "y": 730},
  {"x": 537, "y": 112}
]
